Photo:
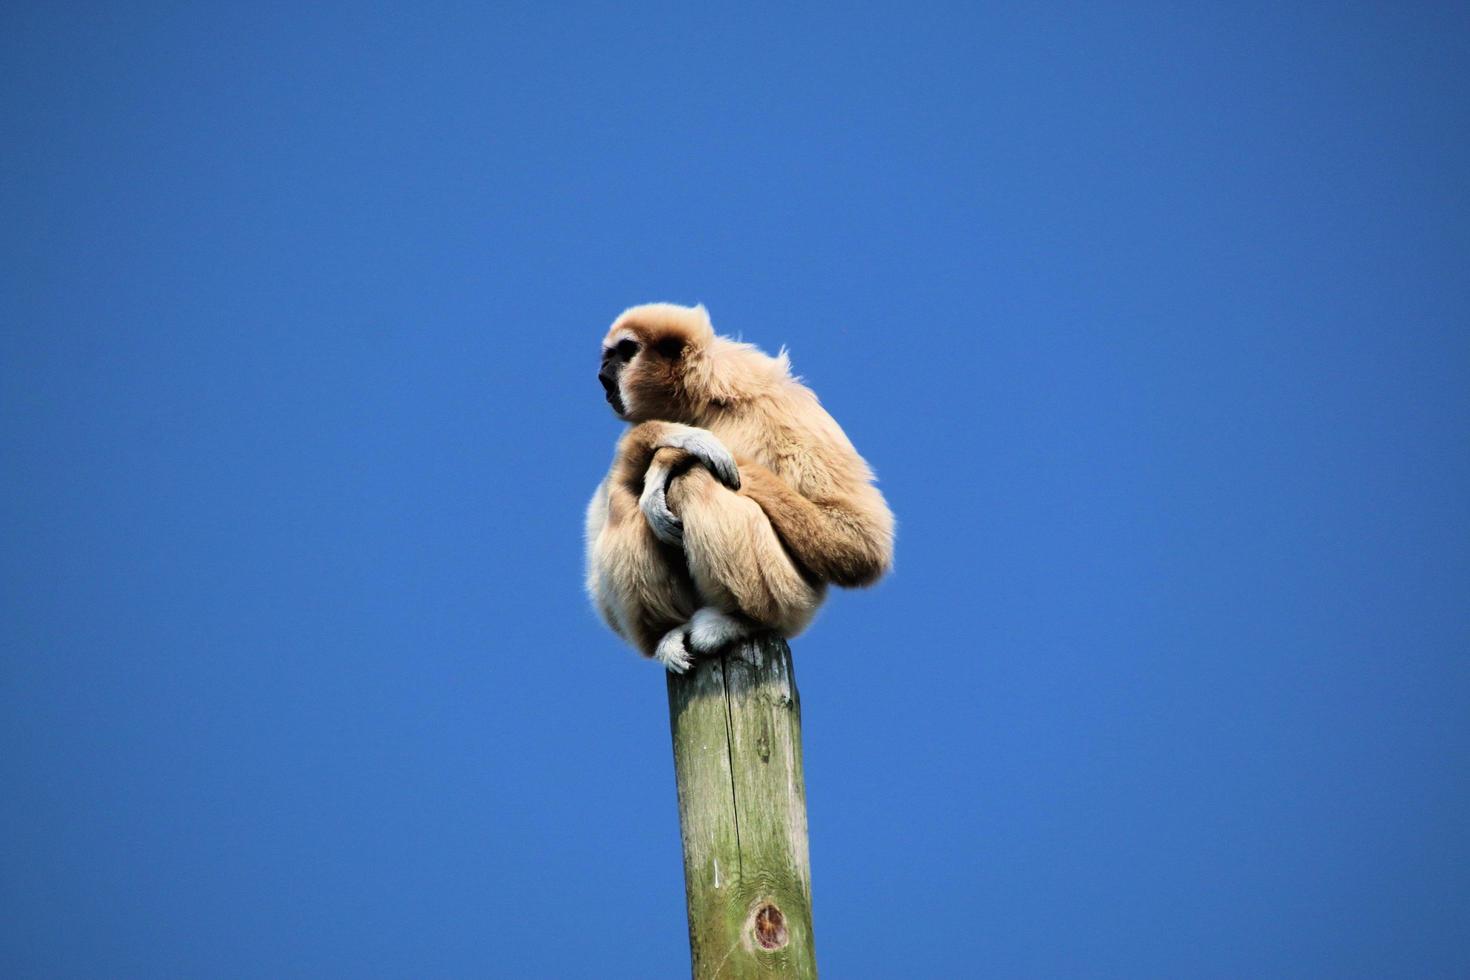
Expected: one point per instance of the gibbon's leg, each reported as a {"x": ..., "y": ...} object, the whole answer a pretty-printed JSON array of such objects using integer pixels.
[
  {"x": 635, "y": 573},
  {"x": 640, "y": 586},
  {"x": 710, "y": 628},
  {"x": 737, "y": 562}
]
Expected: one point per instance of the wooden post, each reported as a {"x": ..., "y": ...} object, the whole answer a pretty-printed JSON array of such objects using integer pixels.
[{"x": 736, "y": 722}]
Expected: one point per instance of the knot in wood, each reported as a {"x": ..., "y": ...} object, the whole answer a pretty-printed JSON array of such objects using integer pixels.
[{"x": 769, "y": 927}]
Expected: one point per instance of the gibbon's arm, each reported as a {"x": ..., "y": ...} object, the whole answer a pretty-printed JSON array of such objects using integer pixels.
[{"x": 844, "y": 538}]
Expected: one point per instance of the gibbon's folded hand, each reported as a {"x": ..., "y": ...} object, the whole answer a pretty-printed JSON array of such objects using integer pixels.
[
  {"x": 654, "y": 501},
  {"x": 710, "y": 451}
]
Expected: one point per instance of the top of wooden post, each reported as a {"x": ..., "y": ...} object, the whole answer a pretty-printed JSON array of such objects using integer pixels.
[{"x": 736, "y": 724}]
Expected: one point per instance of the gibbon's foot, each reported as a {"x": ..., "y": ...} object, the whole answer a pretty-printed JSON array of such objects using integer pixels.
[
  {"x": 711, "y": 629},
  {"x": 710, "y": 452},
  {"x": 655, "y": 505},
  {"x": 673, "y": 650}
]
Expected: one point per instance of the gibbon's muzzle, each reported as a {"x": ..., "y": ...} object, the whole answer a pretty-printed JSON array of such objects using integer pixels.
[{"x": 609, "y": 379}]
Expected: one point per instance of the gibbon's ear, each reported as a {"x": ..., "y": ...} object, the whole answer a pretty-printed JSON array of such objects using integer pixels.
[
  {"x": 701, "y": 331},
  {"x": 671, "y": 348}
]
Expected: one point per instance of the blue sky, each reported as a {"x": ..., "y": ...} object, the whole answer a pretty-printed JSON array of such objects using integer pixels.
[{"x": 1154, "y": 322}]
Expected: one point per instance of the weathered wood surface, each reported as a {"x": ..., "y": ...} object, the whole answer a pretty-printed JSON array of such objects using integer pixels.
[{"x": 736, "y": 722}]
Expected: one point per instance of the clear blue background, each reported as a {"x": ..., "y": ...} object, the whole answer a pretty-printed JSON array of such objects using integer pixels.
[{"x": 1154, "y": 322}]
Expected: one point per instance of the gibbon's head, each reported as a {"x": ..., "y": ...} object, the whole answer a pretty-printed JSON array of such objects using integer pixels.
[
  {"x": 650, "y": 362},
  {"x": 663, "y": 361}
]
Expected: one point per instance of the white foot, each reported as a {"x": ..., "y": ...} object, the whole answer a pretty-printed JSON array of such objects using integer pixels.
[
  {"x": 673, "y": 650},
  {"x": 711, "y": 629}
]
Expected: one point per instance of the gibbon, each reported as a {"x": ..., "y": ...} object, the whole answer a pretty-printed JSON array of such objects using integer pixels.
[{"x": 733, "y": 498}]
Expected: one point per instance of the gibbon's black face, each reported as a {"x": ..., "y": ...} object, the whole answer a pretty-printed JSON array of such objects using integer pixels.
[{"x": 614, "y": 359}]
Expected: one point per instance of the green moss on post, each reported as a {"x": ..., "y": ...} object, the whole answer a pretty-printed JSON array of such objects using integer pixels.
[{"x": 736, "y": 723}]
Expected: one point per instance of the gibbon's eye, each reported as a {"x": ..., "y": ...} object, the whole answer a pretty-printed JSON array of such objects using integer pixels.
[
  {"x": 626, "y": 349},
  {"x": 670, "y": 347}
]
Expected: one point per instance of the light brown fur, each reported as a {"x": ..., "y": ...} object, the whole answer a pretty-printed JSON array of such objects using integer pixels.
[{"x": 803, "y": 513}]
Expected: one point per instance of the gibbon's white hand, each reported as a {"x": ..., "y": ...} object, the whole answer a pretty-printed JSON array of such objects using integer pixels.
[
  {"x": 710, "y": 451},
  {"x": 654, "y": 502}
]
